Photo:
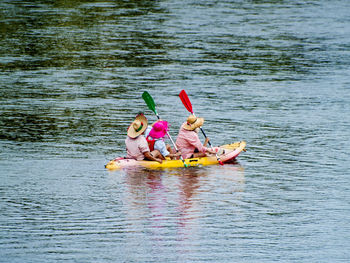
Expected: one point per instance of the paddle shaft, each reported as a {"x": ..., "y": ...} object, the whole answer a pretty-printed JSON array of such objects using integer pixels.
[{"x": 206, "y": 137}]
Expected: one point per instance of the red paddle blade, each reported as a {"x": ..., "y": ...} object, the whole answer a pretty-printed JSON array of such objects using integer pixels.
[{"x": 185, "y": 100}]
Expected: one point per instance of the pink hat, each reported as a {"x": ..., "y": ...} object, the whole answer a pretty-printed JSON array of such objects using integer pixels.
[{"x": 159, "y": 129}]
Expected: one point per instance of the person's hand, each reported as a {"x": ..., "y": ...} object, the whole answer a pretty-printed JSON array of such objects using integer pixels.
[
  {"x": 177, "y": 154},
  {"x": 159, "y": 160},
  {"x": 211, "y": 151}
]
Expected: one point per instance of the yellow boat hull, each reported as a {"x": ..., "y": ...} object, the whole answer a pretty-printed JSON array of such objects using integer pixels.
[{"x": 228, "y": 152}]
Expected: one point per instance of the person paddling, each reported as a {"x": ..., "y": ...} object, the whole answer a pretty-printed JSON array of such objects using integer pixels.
[
  {"x": 188, "y": 141},
  {"x": 155, "y": 137},
  {"x": 136, "y": 143}
]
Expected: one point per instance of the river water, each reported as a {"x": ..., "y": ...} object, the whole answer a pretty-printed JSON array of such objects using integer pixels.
[{"x": 273, "y": 73}]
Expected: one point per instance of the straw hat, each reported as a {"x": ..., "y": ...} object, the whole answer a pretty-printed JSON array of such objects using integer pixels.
[
  {"x": 159, "y": 129},
  {"x": 192, "y": 123},
  {"x": 138, "y": 126}
]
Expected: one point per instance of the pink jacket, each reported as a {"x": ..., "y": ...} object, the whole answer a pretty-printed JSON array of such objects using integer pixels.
[
  {"x": 187, "y": 142},
  {"x": 136, "y": 147}
]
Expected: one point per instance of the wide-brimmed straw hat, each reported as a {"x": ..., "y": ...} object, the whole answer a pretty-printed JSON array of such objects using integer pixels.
[
  {"x": 192, "y": 123},
  {"x": 159, "y": 129},
  {"x": 138, "y": 126}
]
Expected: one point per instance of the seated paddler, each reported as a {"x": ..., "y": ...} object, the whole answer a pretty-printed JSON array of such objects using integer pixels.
[
  {"x": 188, "y": 141},
  {"x": 155, "y": 135},
  {"x": 136, "y": 144}
]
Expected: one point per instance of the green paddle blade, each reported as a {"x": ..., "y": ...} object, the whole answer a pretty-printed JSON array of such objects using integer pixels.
[{"x": 149, "y": 101}]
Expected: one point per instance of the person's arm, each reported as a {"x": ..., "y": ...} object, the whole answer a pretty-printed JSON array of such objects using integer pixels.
[
  {"x": 201, "y": 147},
  {"x": 174, "y": 155},
  {"x": 143, "y": 147},
  {"x": 194, "y": 141},
  {"x": 209, "y": 150},
  {"x": 150, "y": 157},
  {"x": 162, "y": 148}
]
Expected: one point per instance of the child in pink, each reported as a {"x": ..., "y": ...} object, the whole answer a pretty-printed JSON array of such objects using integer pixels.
[{"x": 155, "y": 138}]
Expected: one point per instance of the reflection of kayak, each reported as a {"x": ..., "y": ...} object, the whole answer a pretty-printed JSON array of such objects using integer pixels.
[{"x": 227, "y": 152}]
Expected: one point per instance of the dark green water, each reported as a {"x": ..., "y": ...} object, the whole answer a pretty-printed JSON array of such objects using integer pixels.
[{"x": 273, "y": 73}]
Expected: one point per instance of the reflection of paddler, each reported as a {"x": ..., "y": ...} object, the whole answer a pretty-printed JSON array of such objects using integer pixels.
[
  {"x": 154, "y": 179},
  {"x": 144, "y": 203},
  {"x": 189, "y": 184},
  {"x": 141, "y": 182},
  {"x": 189, "y": 206}
]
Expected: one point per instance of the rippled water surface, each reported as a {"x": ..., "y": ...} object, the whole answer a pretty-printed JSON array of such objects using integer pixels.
[{"x": 272, "y": 73}]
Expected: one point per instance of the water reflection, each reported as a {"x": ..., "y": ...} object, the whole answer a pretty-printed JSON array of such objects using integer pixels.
[
  {"x": 163, "y": 204},
  {"x": 147, "y": 193},
  {"x": 189, "y": 206},
  {"x": 145, "y": 207}
]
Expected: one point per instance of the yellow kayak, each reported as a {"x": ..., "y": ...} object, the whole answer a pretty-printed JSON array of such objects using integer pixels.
[{"x": 226, "y": 153}]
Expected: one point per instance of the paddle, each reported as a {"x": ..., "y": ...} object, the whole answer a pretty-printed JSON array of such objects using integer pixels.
[
  {"x": 152, "y": 106},
  {"x": 188, "y": 105}
]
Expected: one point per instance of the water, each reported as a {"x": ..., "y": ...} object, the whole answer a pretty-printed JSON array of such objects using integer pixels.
[{"x": 273, "y": 73}]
